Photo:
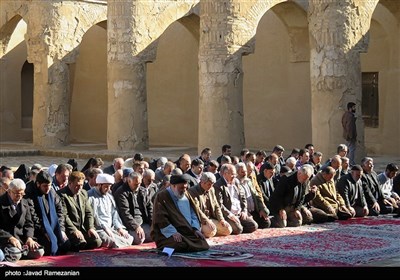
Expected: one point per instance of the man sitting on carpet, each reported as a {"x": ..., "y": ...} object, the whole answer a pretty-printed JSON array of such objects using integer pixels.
[
  {"x": 49, "y": 228},
  {"x": 233, "y": 202},
  {"x": 290, "y": 196},
  {"x": 79, "y": 220},
  {"x": 350, "y": 188},
  {"x": 175, "y": 221},
  {"x": 328, "y": 205},
  {"x": 17, "y": 219},
  {"x": 131, "y": 208},
  {"x": 212, "y": 219},
  {"x": 107, "y": 220}
]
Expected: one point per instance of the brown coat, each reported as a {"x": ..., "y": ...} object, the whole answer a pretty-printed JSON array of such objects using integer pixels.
[
  {"x": 349, "y": 126},
  {"x": 166, "y": 213},
  {"x": 198, "y": 195},
  {"x": 326, "y": 195}
]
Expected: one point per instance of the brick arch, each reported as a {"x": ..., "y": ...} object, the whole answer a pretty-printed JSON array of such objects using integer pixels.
[
  {"x": 89, "y": 16},
  {"x": 173, "y": 11},
  {"x": 96, "y": 15},
  {"x": 192, "y": 24},
  {"x": 252, "y": 14},
  {"x": 6, "y": 31},
  {"x": 165, "y": 14},
  {"x": 388, "y": 20}
]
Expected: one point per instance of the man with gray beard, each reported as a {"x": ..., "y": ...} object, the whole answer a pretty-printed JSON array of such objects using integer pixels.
[{"x": 176, "y": 218}]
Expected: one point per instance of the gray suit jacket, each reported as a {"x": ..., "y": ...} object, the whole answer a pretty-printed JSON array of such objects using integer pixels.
[{"x": 224, "y": 197}]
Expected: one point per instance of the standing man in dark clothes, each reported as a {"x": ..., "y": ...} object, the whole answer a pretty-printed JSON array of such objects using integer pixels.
[{"x": 350, "y": 130}]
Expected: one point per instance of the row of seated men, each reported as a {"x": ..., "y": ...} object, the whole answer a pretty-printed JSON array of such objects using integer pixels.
[{"x": 238, "y": 202}]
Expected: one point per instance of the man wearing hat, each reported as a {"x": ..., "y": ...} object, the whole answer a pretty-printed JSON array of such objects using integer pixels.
[
  {"x": 106, "y": 218},
  {"x": 176, "y": 218}
]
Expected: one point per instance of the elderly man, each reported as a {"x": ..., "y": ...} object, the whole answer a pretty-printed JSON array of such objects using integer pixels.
[
  {"x": 377, "y": 203},
  {"x": 79, "y": 219},
  {"x": 329, "y": 204},
  {"x": 232, "y": 199},
  {"x": 184, "y": 162},
  {"x": 290, "y": 196},
  {"x": 107, "y": 221},
  {"x": 336, "y": 163},
  {"x": 131, "y": 208},
  {"x": 17, "y": 220},
  {"x": 255, "y": 204},
  {"x": 212, "y": 220},
  {"x": 117, "y": 165},
  {"x": 176, "y": 219}
]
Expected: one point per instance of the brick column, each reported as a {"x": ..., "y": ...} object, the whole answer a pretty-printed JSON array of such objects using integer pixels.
[
  {"x": 50, "y": 123},
  {"x": 127, "y": 97},
  {"x": 220, "y": 78},
  {"x": 335, "y": 69}
]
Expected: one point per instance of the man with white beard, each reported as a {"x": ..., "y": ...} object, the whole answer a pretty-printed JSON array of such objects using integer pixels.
[{"x": 176, "y": 218}]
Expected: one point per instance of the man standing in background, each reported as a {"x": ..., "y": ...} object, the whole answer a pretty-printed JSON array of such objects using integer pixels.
[{"x": 350, "y": 130}]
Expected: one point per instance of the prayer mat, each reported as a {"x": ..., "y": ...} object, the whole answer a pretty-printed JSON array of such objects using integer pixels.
[{"x": 355, "y": 242}]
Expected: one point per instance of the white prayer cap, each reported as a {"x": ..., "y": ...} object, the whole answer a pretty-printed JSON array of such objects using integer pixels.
[
  {"x": 105, "y": 179},
  {"x": 52, "y": 169}
]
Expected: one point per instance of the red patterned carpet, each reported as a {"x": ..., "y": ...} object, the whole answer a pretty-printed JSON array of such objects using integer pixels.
[{"x": 341, "y": 244}]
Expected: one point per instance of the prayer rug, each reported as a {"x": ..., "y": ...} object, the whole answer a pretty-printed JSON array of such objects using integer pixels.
[{"x": 356, "y": 242}]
